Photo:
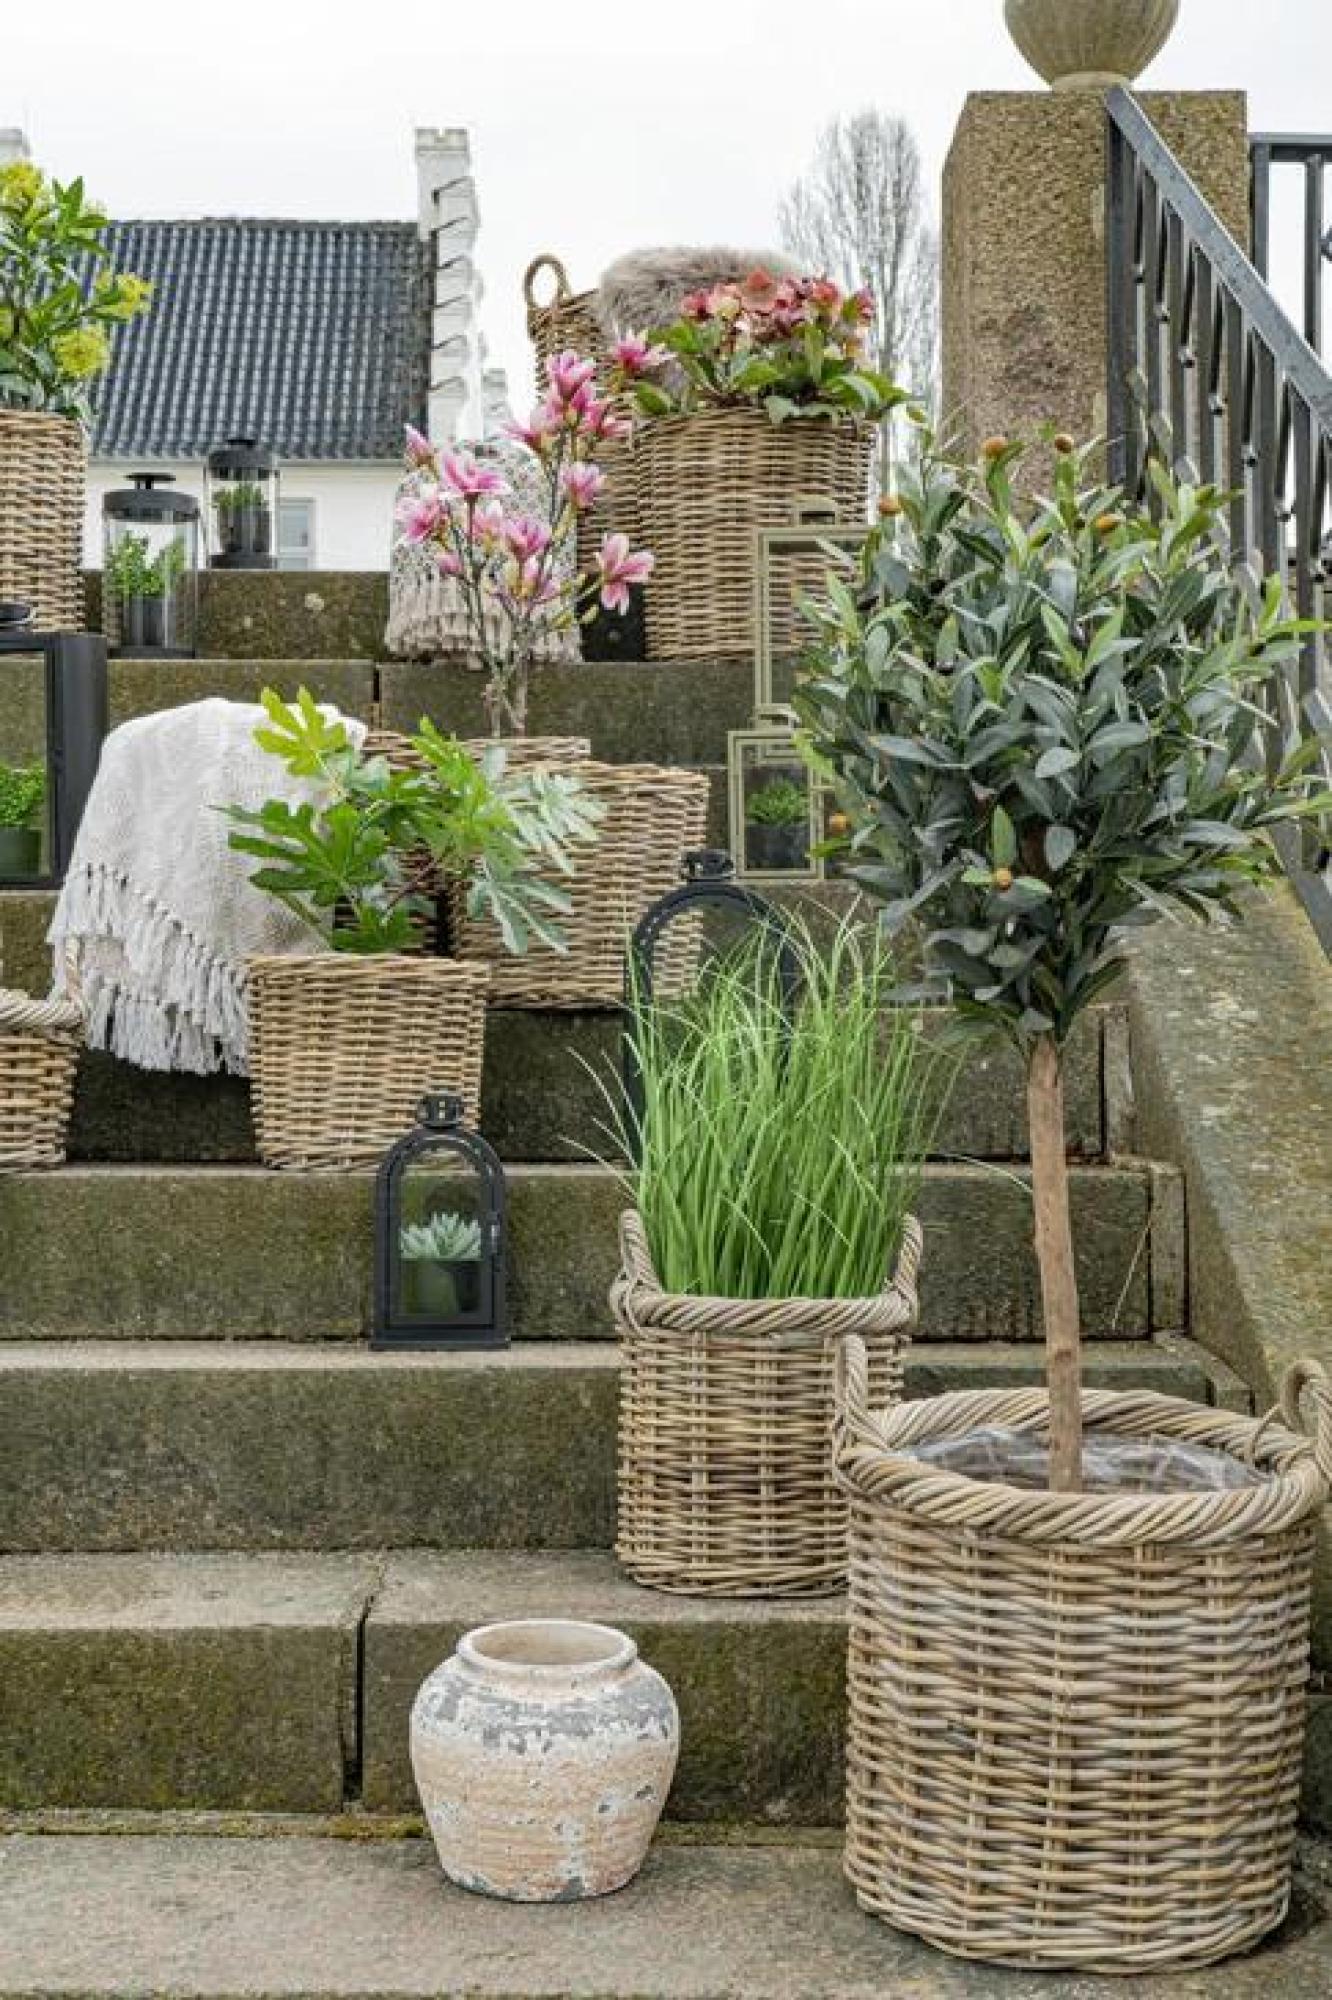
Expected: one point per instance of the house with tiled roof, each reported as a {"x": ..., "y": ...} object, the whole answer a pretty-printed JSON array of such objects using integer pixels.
[{"x": 320, "y": 339}]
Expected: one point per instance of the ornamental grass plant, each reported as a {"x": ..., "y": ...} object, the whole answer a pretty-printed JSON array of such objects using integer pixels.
[{"x": 778, "y": 1153}]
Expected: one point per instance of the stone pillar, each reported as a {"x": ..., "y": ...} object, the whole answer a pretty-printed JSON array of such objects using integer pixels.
[
  {"x": 449, "y": 219},
  {"x": 1024, "y": 306},
  {"x": 13, "y": 145}
]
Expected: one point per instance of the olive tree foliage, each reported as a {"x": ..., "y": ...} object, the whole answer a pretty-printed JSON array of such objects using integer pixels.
[{"x": 861, "y": 215}]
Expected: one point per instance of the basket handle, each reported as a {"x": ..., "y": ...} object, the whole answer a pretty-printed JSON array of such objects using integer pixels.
[
  {"x": 1310, "y": 1378},
  {"x": 851, "y": 1382},
  {"x": 547, "y": 261},
  {"x": 634, "y": 1252}
]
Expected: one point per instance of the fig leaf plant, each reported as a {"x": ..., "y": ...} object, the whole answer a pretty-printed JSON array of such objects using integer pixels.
[{"x": 1049, "y": 722}]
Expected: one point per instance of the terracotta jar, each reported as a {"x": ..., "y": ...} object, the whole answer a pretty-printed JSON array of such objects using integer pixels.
[
  {"x": 1090, "y": 44},
  {"x": 543, "y": 1752}
]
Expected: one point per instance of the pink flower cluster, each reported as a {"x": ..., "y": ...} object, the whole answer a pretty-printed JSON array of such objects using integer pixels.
[
  {"x": 764, "y": 309},
  {"x": 571, "y": 410}
]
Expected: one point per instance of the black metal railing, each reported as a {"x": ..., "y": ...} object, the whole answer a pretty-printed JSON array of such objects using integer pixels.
[
  {"x": 1313, "y": 157},
  {"x": 1208, "y": 373}
]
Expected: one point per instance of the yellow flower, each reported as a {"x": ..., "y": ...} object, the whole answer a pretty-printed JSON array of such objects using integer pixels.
[
  {"x": 84, "y": 351},
  {"x": 21, "y": 182},
  {"x": 121, "y": 296}
]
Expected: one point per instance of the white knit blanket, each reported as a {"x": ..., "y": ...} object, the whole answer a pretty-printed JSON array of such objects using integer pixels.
[{"x": 158, "y": 916}]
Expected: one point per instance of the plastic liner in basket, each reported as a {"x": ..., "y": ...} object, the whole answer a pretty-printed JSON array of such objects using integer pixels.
[{"x": 1109, "y": 1464}]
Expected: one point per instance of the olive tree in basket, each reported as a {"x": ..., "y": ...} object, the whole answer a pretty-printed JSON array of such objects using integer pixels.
[{"x": 1051, "y": 722}]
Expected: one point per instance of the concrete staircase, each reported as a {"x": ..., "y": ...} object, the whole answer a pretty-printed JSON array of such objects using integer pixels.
[{"x": 233, "y": 1541}]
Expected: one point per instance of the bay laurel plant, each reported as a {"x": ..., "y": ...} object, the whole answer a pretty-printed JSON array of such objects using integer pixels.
[
  {"x": 1050, "y": 722},
  {"x": 778, "y": 1152},
  {"x": 349, "y": 867}
]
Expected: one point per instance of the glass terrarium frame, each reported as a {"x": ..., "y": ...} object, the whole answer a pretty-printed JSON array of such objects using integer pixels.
[
  {"x": 805, "y": 538},
  {"x": 771, "y": 741},
  {"x": 243, "y": 501},
  {"x": 76, "y": 697},
  {"x": 151, "y": 538},
  {"x": 439, "y": 1134}
]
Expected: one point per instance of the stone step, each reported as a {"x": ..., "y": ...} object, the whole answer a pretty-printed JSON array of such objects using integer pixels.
[
  {"x": 182, "y": 1445},
  {"x": 269, "y": 615},
  {"x": 203, "y": 1917},
  {"x": 235, "y": 1252}
]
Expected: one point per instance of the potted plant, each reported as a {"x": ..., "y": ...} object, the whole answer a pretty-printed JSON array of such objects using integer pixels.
[
  {"x": 441, "y": 1264},
  {"x": 244, "y": 520},
  {"x": 22, "y": 797},
  {"x": 518, "y": 577},
  {"x": 777, "y": 826},
  {"x": 1040, "y": 718},
  {"x": 777, "y": 1155},
  {"x": 142, "y": 587},
  {"x": 347, "y": 1040},
  {"x": 60, "y": 299},
  {"x": 761, "y": 405}
]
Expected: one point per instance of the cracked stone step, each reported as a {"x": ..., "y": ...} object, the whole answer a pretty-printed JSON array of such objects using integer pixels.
[
  {"x": 173, "y": 1243},
  {"x": 249, "y": 1445},
  {"x": 205, "y": 1918}
]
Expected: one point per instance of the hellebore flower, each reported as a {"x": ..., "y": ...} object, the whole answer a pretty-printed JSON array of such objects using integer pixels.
[{"x": 617, "y": 567}]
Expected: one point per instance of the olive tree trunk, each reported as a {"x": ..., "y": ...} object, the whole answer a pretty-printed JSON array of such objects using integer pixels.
[{"x": 1054, "y": 1251}]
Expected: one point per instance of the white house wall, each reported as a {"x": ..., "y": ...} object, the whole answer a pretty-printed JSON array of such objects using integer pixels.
[{"x": 353, "y": 505}]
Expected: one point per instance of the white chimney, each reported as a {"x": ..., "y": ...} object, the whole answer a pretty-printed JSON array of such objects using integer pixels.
[
  {"x": 13, "y": 145},
  {"x": 448, "y": 219}
]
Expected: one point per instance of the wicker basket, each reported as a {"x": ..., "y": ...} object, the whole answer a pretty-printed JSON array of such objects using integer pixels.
[
  {"x": 343, "y": 1050},
  {"x": 654, "y": 817},
  {"x": 40, "y": 1042},
  {"x": 1076, "y": 1721},
  {"x": 726, "y": 1418},
  {"x": 43, "y": 477},
  {"x": 706, "y": 484},
  {"x": 570, "y": 320}
]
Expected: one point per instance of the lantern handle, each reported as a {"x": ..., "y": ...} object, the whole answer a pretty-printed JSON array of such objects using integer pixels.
[{"x": 440, "y": 1111}]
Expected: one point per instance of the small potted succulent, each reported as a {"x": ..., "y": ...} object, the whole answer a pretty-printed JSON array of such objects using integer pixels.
[
  {"x": 22, "y": 796},
  {"x": 441, "y": 1260},
  {"x": 777, "y": 826}
]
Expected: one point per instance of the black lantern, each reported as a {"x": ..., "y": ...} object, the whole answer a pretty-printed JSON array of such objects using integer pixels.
[
  {"x": 150, "y": 569},
  {"x": 439, "y": 1236},
  {"x": 708, "y": 919},
  {"x": 242, "y": 486},
  {"x": 53, "y": 721}
]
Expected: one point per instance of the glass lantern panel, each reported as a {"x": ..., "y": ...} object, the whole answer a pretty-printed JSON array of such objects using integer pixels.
[
  {"x": 150, "y": 586},
  {"x": 794, "y": 565},
  {"x": 26, "y": 789},
  {"x": 703, "y": 942},
  {"x": 774, "y": 796},
  {"x": 443, "y": 1254},
  {"x": 244, "y": 510}
]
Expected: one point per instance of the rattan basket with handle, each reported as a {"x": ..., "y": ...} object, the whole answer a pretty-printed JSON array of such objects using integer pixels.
[
  {"x": 726, "y": 1419},
  {"x": 569, "y": 320},
  {"x": 1076, "y": 1721},
  {"x": 707, "y": 482},
  {"x": 40, "y": 1042},
  {"x": 344, "y": 1048},
  {"x": 43, "y": 478}
]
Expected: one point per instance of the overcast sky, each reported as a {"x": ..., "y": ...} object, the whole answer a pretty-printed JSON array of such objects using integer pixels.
[{"x": 595, "y": 127}]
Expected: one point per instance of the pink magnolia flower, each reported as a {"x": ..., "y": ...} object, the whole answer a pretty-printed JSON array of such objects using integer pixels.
[
  {"x": 567, "y": 373},
  {"x": 537, "y": 432},
  {"x": 490, "y": 524},
  {"x": 419, "y": 514},
  {"x": 636, "y": 355},
  {"x": 419, "y": 452},
  {"x": 602, "y": 421},
  {"x": 468, "y": 477},
  {"x": 582, "y": 482},
  {"x": 448, "y": 563},
  {"x": 617, "y": 567},
  {"x": 526, "y": 537}
]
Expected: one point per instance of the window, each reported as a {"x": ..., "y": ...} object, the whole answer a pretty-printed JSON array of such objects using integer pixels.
[{"x": 296, "y": 546}]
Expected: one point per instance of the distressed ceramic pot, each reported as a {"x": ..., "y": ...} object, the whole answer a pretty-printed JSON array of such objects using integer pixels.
[
  {"x": 543, "y": 1753},
  {"x": 1090, "y": 44}
]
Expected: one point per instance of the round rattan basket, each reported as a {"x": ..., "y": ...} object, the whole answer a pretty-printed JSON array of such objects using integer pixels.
[
  {"x": 569, "y": 320},
  {"x": 707, "y": 482},
  {"x": 654, "y": 816},
  {"x": 1076, "y": 1720},
  {"x": 726, "y": 1419},
  {"x": 40, "y": 1042},
  {"x": 343, "y": 1049},
  {"x": 43, "y": 478}
]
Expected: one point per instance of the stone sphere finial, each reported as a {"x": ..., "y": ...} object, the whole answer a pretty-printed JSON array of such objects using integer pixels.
[{"x": 1090, "y": 44}]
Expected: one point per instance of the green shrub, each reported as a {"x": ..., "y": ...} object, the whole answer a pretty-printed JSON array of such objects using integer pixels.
[{"x": 22, "y": 794}]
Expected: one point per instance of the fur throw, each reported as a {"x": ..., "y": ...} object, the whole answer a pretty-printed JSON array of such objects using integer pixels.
[{"x": 645, "y": 289}]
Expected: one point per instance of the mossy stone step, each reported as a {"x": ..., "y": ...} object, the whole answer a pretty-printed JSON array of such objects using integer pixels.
[
  {"x": 238, "y": 1253},
  {"x": 182, "y": 1445},
  {"x": 283, "y": 614}
]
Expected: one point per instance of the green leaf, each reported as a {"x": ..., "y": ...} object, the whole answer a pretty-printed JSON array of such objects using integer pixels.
[
  {"x": 1003, "y": 839},
  {"x": 1055, "y": 762}
]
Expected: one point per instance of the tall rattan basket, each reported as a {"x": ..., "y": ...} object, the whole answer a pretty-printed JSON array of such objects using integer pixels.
[
  {"x": 707, "y": 482},
  {"x": 569, "y": 320},
  {"x": 726, "y": 1419},
  {"x": 40, "y": 1042},
  {"x": 43, "y": 478},
  {"x": 1076, "y": 1721},
  {"x": 343, "y": 1050}
]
